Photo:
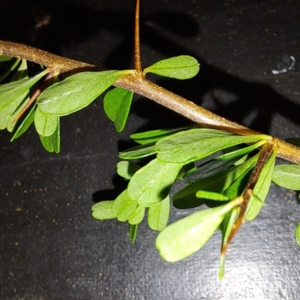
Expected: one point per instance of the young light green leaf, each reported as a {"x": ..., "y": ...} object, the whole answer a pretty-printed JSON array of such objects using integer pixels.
[
  {"x": 52, "y": 143},
  {"x": 188, "y": 235},
  {"x": 123, "y": 207},
  {"x": 194, "y": 144},
  {"x": 261, "y": 189},
  {"x": 138, "y": 216},
  {"x": 126, "y": 169},
  {"x": 211, "y": 196},
  {"x": 186, "y": 198},
  {"x": 133, "y": 232},
  {"x": 240, "y": 152},
  {"x": 151, "y": 184},
  {"x": 179, "y": 67},
  {"x": 287, "y": 176},
  {"x": 45, "y": 124},
  {"x": 297, "y": 234},
  {"x": 25, "y": 124},
  {"x": 103, "y": 210},
  {"x": 158, "y": 214},
  {"x": 117, "y": 104},
  {"x": 137, "y": 152},
  {"x": 155, "y": 135},
  {"x": 76, "y": 92},
  {"x": 9, "y": 92}
]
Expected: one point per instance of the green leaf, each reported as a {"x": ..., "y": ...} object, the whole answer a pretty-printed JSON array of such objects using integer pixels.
[
  {"x": 103, "y": 210},
  {"x": 261, "y": 189},
  {"x": 137, "y": 152},
  {"x": 117, "y": 104},
  {"x": 240, "y": 152},
  {"x": 209, "y": 168},
  {"x": 4, "y": 58},
  {"x": 186, "y": 198},
  {"x": 25, "y": 124},
  {"x": 155, "y": 135},
  {"x": 138, "y": 215},
  {"x": 194, "y": 144},
  {"x": 45, "y": 124},
  {"x": 126, "y": 169},
  {"x": 211, "y": 196},
  {"x": 297, "y": 234},
  {"x": 151, "y": 184},
  {"x": 226, "y": 227},
  {"x": 133, "y": 232},
  {"x": 52, "y": 143},
  {"x": 15, "y": 63},
  {"x": 123, "y": 207},
  {"x": 287, "y": 176},
  {"x": 76, "y": 92},
  {"x": 158, "y": 214},
  {"x": 188, "y": 235},
  {"x": 237, "y": 188},
  {"x": 9, "y": 92},
  {"x": 179, "y": 67},
  {"x": 9, "y": 114}
]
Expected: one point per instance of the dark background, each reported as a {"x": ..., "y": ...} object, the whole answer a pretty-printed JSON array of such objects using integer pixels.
[{"x": 51, "y": 247}]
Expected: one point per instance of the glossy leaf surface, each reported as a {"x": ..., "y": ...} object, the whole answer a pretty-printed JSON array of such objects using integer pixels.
[
  {"x": 189, "y": 234},
  {"x": 76, "y": 92},
  {"x": 137, "y": 152},
  {"x": 137, "y": 216},
  {"x": 151, "y": 183},
  {"x": 179, "y": 67},
  {"x": 194, "y": 144},
  {"x": 287, "y": 176}
]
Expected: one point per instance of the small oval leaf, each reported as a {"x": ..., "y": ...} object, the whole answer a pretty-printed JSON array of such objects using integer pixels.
[
  {"x": 45, "y": 124},
  {"x": 179, "y": 67},
  {"x": 287, "y": 176},
  {"x": 158, "y": 214},
  {"x": 103, "y": 210},
  {"x": 76, "y": 92},
  {"x": 188, "y": 235}
]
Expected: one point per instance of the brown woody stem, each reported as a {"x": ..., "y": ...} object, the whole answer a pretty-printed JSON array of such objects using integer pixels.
[{"x": 140, "y": 85}]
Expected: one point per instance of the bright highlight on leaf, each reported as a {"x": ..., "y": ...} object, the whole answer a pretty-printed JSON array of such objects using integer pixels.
[
  {"x": 188, "y": 235},
  {"x": 76, "y": 92},
  {"x": 179, "y": 67}
]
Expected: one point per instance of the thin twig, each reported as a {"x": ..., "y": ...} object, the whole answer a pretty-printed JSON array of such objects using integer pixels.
[{"x": 137, "y": 46}]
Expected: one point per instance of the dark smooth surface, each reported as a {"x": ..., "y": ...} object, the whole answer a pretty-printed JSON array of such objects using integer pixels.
[{"x": 51, "y": 247}]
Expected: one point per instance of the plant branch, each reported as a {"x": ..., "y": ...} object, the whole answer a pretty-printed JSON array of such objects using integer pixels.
[
  {"x": 137, "y": 47},
  {"x": 140, "y": 85}
]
